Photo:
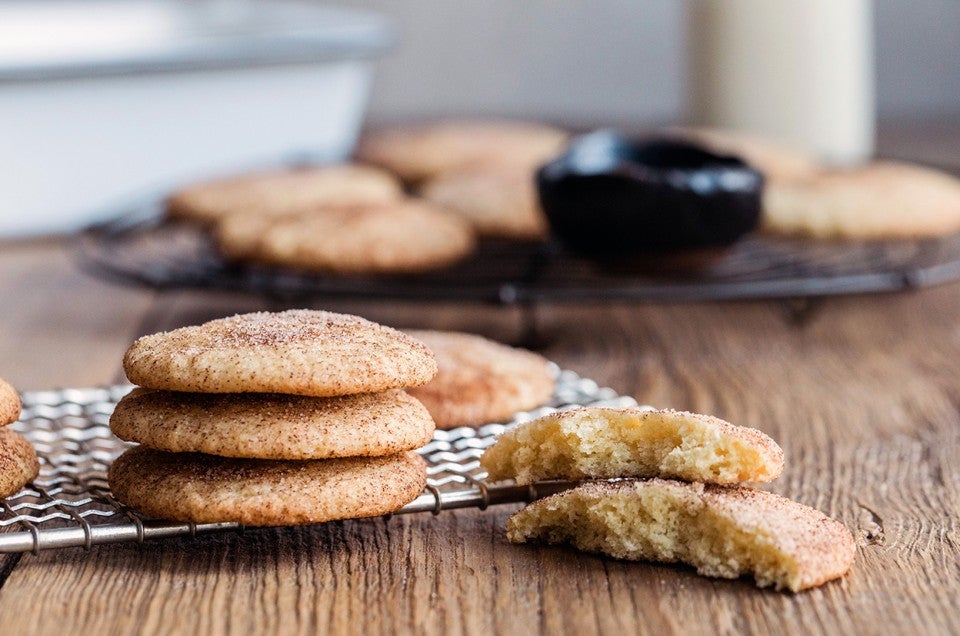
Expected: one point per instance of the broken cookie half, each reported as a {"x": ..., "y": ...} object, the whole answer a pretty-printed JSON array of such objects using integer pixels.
[
  {"x": 605, "y": 443},
  {"x": 722, "y": 531}
]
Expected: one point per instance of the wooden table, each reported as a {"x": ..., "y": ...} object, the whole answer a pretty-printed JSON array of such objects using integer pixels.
[{"x": 864, "y": 399}]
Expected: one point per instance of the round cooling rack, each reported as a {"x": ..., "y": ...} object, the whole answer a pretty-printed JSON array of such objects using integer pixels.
[{"x": 140, "y": 246}]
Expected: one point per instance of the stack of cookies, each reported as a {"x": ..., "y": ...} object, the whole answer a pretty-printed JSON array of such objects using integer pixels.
[
  {"x": 677, "y": 495},
  {"x": 18, "y": 460},
  {"x": 417, "y": 201},
  {"x": 340, "y": 218},
  {"x": 273, "y": 419}
]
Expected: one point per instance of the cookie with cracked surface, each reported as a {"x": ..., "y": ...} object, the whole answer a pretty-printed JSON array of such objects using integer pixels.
[
  {"x": 402, "y": 237},
  {"x": 272, "y": 425},
  {"x": 420, "y": 152},
  {"x": 497, "y": 202},
  {"x": 722, "y": 531},
  {"x": 299, "y": 352},
  {"x": 18, "y": 462},
  {"x": 9, "y": 403},
  {"x": 480, "y": 381},
  {"x": 606, "y": 443},
  {"x": 285, "y": 191},
  {"x": 260, "y": 492},
  {"x": 882, "y": 200}
]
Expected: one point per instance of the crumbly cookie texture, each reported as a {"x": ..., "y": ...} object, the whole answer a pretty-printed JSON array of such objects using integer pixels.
[
  {"x": 883, "y": 200},
  {"x": 421, "y": 152},
  {"x": 722, "y": 531},
  {"x": 401, "y": 237},
  {"x": 497, "y": 202},
  {"x": 480, "y": 381},
  {"x": 9, "y": 403},
  {"x": 273, "y": 426},
  {"x": 299, "y": 352},
  {"x": 205, "y": 489},
  {"x": 777, "y": 162},
  {"x": 604, "y": 443},
  {"x": 285, "y": 192},
  {"x": 18, "y": 462}
]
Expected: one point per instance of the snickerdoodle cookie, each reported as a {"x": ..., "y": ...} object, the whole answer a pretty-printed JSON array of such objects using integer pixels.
[
  {"x": 882, "y": 200},
  {"x": 300, "y": 352},
  {"x": 271, "y": 425},
  {"x": 18, "y": 462},
  {"x": 399, "y": 237},
  {"x": 723, "y": 531},
  {"x": 497, "y": 202},
  {"x": 285, "y": 191},
  {"x": 9, "y": 403},
  {"x": 420, "y": 152},
  {"x": 207, "y": 489},
  {"x": 604, "y": 443},
  {"x": 480, "y": 381}
]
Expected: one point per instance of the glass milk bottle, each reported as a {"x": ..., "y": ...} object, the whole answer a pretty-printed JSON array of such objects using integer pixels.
[{"x": 797, "y": 72}]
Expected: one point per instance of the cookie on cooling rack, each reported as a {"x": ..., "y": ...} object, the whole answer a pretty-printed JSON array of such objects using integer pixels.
[
  {"x": 606, "y": 443},
  {"x": 480, "y": 381},
  {"x": 400, "y": 237},
  {"x": 285, "y": 191},
  {"x": 777, "y": 162},
  {"x": 722, "y": 531},
  {"x": 498, "y": 202},
  {"x": 18, "y": 462},
  {"x": 299, "y": 352},
  {"x": 420, "y": 152},
  {"x": 206, "y": 489},
  {"x": 883, "y": 200},
  {"x": 9, "y": 403},
  {"x": 273, "y": 426}
]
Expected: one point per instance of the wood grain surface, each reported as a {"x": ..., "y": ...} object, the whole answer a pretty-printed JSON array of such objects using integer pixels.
[{"x": 864, "y": 398}]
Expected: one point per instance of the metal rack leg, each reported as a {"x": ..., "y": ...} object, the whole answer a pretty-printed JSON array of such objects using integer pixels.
[{"x": 531, "y": 334}]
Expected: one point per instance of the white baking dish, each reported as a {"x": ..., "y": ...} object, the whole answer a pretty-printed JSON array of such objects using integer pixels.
[{"x": 106, "y": 100}]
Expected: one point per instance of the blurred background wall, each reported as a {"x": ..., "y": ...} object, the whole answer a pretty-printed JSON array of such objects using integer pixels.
[{"x": 616, "y": 61}]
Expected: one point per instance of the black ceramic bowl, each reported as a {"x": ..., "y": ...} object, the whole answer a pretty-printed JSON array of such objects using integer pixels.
[{"x": 611, "y": 196}]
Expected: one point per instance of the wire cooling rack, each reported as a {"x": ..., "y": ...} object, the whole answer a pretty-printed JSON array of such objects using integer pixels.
[
  {"x": 141, "y": 246},
  {"x": 70, "y": 505}
]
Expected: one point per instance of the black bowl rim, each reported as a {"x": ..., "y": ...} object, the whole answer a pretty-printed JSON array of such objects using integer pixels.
[{"x": 717, "y": 167}]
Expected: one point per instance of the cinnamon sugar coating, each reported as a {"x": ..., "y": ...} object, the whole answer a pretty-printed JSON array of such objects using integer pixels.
[
  {"x": 18, "y": 462},
  {"x": 299, "y": 352},
  {"x": 206, "y": 489},
  {"x": 481, "y": 381},
  {"x": 723, "y": 531},
  {"x": 9, "y": 403},
  {"x": 273, "y": 426}
]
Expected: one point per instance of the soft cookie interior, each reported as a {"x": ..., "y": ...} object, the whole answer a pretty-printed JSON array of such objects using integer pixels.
[
  {"x": 721, "y": 531},
  {"x": 609, "y": 443}
]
